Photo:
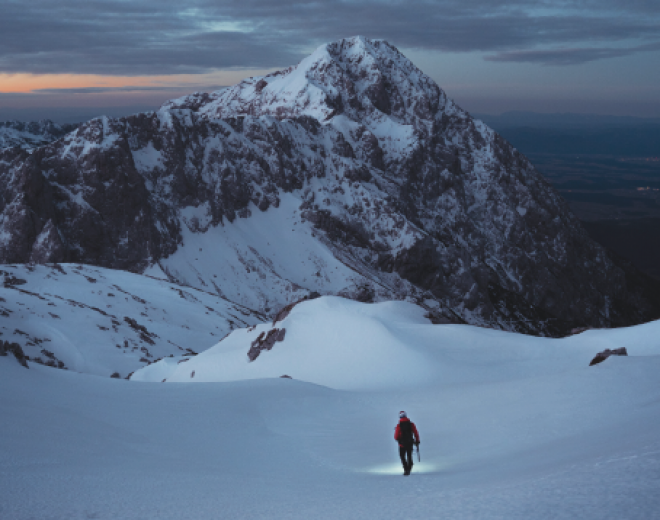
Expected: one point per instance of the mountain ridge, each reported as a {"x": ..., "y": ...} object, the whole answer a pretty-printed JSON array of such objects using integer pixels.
[
  {"x": 383, "y": 173},
  {"x": 32, "y": 134},
  {"x": 101, "y": 321}
]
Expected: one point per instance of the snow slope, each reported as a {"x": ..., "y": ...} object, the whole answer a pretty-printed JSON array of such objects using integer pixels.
[
  {"x": 512, "y": 427},
  {"x": 102, "y": 321},
  {"x": 345, "y": 344},
  {"x": 267, "y": 260}
]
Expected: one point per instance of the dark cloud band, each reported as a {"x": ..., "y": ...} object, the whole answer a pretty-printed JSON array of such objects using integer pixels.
[
  {"x": 149, "y": 37},
  {"x": 570, "y": 56}
]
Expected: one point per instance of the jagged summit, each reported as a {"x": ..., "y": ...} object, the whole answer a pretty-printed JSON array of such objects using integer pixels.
[
  {"x": 358, "y": 78},
  {"x": 364, "y": 86},
  {"x": 351, "y": 173}
]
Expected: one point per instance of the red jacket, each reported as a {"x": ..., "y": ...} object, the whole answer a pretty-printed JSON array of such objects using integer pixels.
[{"x": 397, "y": 432}]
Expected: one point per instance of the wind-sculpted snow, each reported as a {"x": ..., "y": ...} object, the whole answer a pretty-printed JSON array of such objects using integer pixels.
[
  {"x": 391, "y": 190},
  {"x": 106, "y": 322},
  {"x": 350, "y": 345}
]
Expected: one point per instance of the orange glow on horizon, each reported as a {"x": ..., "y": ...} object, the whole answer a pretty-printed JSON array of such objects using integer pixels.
[
  {"x": 26, "y": 83},
  {"x": 29, "y": 83}
]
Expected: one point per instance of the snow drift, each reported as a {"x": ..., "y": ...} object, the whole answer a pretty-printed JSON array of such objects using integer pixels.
[{"x": 345, "y": 344}]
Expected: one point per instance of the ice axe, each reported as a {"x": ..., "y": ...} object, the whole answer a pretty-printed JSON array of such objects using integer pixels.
[{"x": 418, "y": 459}]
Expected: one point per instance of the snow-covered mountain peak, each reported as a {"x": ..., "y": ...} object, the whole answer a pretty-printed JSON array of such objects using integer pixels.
[
  {"x": 370, "y": 182},
  {"x": 356, "y": 77},
  {"x": 366, "y": 89}
]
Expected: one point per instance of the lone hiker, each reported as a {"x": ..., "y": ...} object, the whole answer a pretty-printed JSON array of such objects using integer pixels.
[{"x": 406, "y": 435}]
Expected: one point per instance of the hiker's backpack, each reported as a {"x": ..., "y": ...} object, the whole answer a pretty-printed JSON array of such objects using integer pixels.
[{"x": 406, "y": 436}]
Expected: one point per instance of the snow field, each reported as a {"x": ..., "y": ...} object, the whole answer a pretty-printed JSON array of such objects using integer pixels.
[
  {"x": 512, "y": 427},
  {"x": 579, "y": 444}
]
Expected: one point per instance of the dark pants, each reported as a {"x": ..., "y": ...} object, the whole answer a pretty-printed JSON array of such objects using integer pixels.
[{"x": 405, "y": 452}]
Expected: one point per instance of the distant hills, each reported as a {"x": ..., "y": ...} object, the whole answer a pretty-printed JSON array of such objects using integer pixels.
[
  {"x": 569, "y": 134},
  {"x": 563, "y": 121}
]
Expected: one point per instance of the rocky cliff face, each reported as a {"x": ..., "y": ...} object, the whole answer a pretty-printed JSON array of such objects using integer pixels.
[{"x": 364, "y": 179}]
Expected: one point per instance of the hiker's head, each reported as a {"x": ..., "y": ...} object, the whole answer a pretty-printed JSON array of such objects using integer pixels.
[{"x": 402, "y": 414}]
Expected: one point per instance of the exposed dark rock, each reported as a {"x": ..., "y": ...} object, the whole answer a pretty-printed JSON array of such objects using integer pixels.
[
  {"x": 15, "y": 349},
  {"x": 142, "y": 331},
  {"x": 286, "y": 310},
  {"x": 602, "y": 356},
  {"x": 265, "y": 341},
  {"x": 11, "y": 281},
  {"x": 440, "y": 318},
  {"x": 365, "y": 293},
  {"x": 578, "y": 330}
]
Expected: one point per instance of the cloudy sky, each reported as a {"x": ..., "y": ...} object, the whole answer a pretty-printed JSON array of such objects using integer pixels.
[{"x": 67, "y": 58}]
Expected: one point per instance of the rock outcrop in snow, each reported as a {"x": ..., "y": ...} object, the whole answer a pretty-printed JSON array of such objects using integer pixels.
[
  {"x": 602, "y": 356},
  {"x": 15, "y": 350},
  {"x": 371, "y": 183}
]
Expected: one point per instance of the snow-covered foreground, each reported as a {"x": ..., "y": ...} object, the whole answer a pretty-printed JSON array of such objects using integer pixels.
[{"x": 512, "y": 428}]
